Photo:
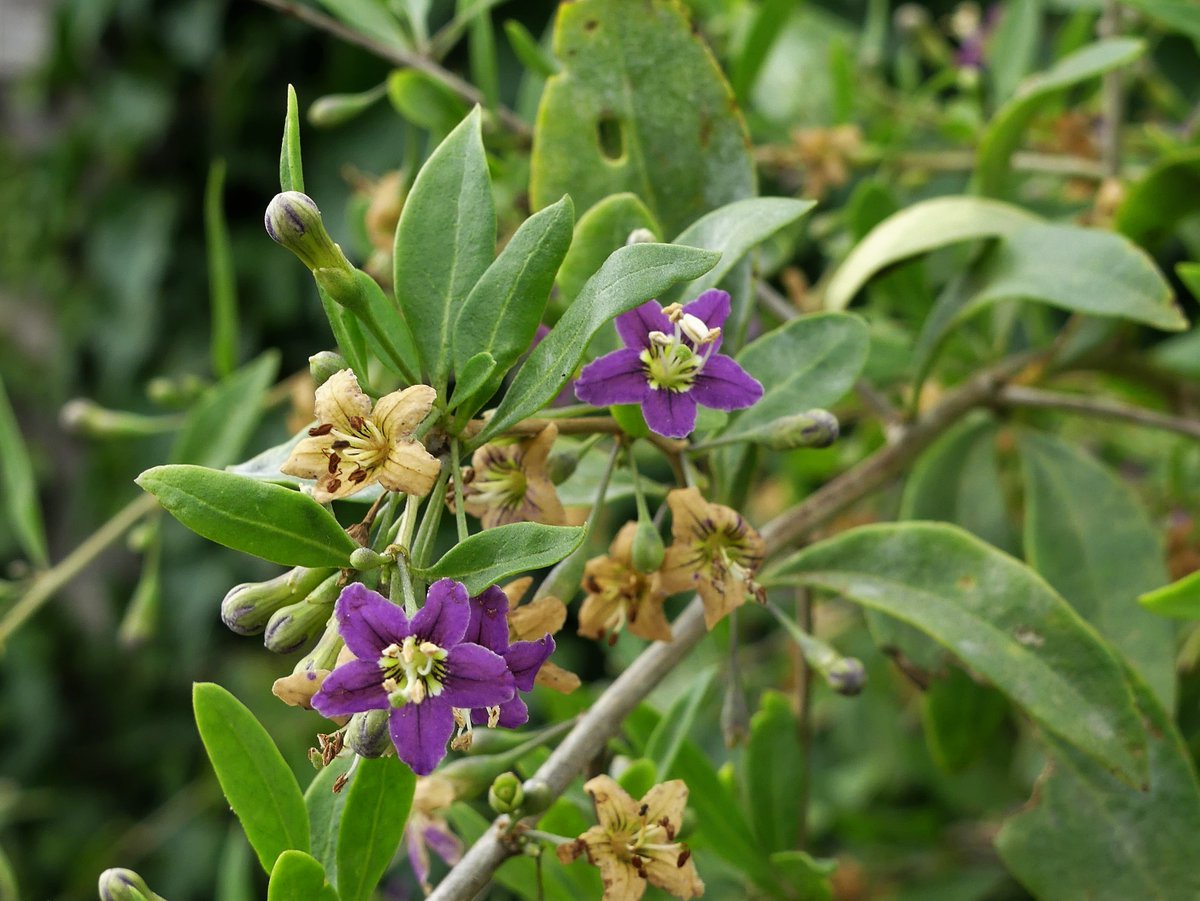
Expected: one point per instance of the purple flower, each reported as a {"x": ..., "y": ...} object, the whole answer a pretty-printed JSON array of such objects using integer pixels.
[
  {"x": 669, "y": 365},
  {"x": 489, "y": 627},
  {"x": 419, "y": 670}
]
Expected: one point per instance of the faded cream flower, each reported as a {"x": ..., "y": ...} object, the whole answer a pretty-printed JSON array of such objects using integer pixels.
[
  {"x": 508, "y": 483},
  {"x": 529, "y": 622},
  {"x": 618, "y": 595},
  {"x": 427, "y": 827},
  {"x": 353, "y": 446},
  {"x": 634, "y": 843},
  {"x": 715, "y": 552}
]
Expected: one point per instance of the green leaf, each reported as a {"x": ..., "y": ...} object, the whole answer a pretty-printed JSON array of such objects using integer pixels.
[
  {"x": 734, "y": 230},
  {"x": 1182, "y": 16},
  {"x": 1091, "y": 538},
  {"x": 291, "y": 171},
  {"x": 1180, "y": 599},
  {"x": 424, "y": 101},
  {"x": 475, "y": 381},
  {"x": 253, "y": 775},
  {"x": 503, "y": 310},
  {"x": 20, "y": 486},
  {"x": 1086, "y": 835},
  {"x": 370, "y": 18},
  {"x": 773, "y": 773},
  {"x": 324, "y": 807},
  {"x": 1156, "y": 202},
  {"x": 1079, "y": 269},
  {"x": 639, "y": 777},
  {"x": 628, "y": 278},
  {"x": 997, "y": 616},
  {"x": 222, "y": 283},
  {"x": 1013, "y": 46},
  {"x": 673, "y": 728},
  {"x": 919, "y": 229},
  {"x": 1003, "y": 134},
  {"x": 960, "y": 718},
  {"x": 600, "y": 231},
  {"x": 805, "y": 876},
  {"x": 445, "y": 241},
  {"x": 768, "y": 24},
  {"x": 221, "y": 422},
  {"x": 528, "y": 50},
  {"x": 808, "y": 362},
  {"x": 250, "y": 516},
  {"x": 382, "y": 328},
  {"x": 296, "y": 876},
  {"x": 639, "y": 106},
  {"x": 372, "y": 824},
  {"x": 493, "y": 555},
  {"x": 348, "y": 334}
]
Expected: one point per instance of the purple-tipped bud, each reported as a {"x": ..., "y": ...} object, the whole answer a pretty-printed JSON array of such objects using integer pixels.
[
  {"x": 247, "y": 608},
  {"x": 813, "y": 428},
  {"x": 847, "y": 676},
  {"x": 290, "y": 627},
  {"x": 506, "y": 794},
  {"x": 124, "y": 885},
  {"x": 294, "y": 221},
  {"x": 322, "y": 366},
  {"x": 367, "y": 733}
]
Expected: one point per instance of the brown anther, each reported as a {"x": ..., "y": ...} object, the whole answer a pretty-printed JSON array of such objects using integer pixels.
[
  {"x": 358, "y": 475},
  {"x": 340, "y": 782},
  {"x": 357, "y": 423},
  {"x": 334, "y": 462},
  {"x": 323, "y": 429},
  {"x": 684, "y": 856},
  {"x": 643, "y": 810},
  {"x": 334, "y": 485},
  {"x": 340, "y": 444}
]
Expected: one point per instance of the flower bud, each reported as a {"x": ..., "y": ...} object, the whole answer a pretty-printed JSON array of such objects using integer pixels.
[
  {"x": 364, "y": 559},
  {"x": 641, "y": 236},
  {"x": 322, "y": 366},
  {"x": 84, "y": 417},
  {"x": 124, "y": 885},
  {"x": 367, "y": 733},
  {"x": 813, "y": 428},
  {"x": 344, "y": 288},
  {"x": 291, "y": 626},
  {"x": 293, "y": 221},
  {"x": 247, "y": 607},
  {"x": 177, "y": 393},
  {"x": 847, "y": 676},
  {"x": 506, "y": 793},
  {"x": 648, "y": 548},
  {"x": 334, "y": 109},
  {"x": 538, "y": 796}
]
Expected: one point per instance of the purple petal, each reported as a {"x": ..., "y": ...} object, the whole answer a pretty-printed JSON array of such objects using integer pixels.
[
  {"x": 724, "y": 385},
  {"x": 671, "y": 415},
  {"x": 369, "y": 622},
  {"x": 615, "y": 378},
  {"x": 444, "y": 618},
  {"x": 476, "y": 677},
  {"x": 525, "y": 658},
  {"x": 444, "y": 843},
  {"x": 513, "y": 714},
  {"x": 351, "y": 688},
  {"x": 418, "y": 857},
  {"x": 634, "y": 326},
  {"x": 711, "y": 307},
  {"x": 420, "y": 732},
  {"x": 489, "y": 620}
]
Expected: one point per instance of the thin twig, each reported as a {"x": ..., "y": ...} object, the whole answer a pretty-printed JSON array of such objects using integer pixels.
[
  {"x": 1021, "y": 396},
  {"x": 401, "y": 57},
  {"x": 804, "y": 730},
  {"x": 1112, "y": 96}
]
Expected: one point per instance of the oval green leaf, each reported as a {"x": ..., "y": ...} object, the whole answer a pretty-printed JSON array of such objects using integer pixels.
[
  {"x": 445, "y": 241},
  {"x": 252, "y": 516},
  {"x": 601, "y": 230},
  {"x": 1180, "y": 599},
  {"x": 493, "y": 555},
  {"x": 297, "y": 876},
  {"x": 17, "y": 478},
  {"x": 628, "y": 278},
  {"x": 919, "y": 229},
  {"x": 258, "y": 784},
  {"x": 372, "y": 823},
  {"x": 998, "y": 617}
]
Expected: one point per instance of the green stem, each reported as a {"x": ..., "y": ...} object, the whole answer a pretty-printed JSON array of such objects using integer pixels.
[
  {"x": 602, "y": 488},
  {"x": 49, "y": 582},
  {"x": 427, "y": 531},
  {"x": 460, "y": 513}
]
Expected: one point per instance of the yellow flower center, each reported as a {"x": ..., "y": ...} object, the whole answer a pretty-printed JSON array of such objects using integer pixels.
[
  {"x": 412, "y": 671},
  {"x": 363, "y": 445},
  {"x": 502, "y": 484}
]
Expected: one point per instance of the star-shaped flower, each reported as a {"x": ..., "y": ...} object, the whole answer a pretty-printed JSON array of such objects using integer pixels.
[
  {"x": 634, "y": 842},
  {"x": 508, "y": 483},
  {"x": 715, "y": 552},
  {"x": 488, "y": 627},
  {"x": 418, "y": 670},
  {"x": 669, "y": 365},
  {"x": 352, "y": 446},
  {"x": 618, "y": 595}
]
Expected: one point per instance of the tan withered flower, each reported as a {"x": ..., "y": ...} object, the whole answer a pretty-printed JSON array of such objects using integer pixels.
[
  {"x": 531, "y": 621},
  {"x": 508, "y": 483},
  {"x": 353, "y": 446},
  {"x": 715, "y": 552},
  {"x": 297, "y": 689},
  {"x": 634, "y": 843},
  {"x": 618, "y": 595},
  {"x": 427, "y": 827}
]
